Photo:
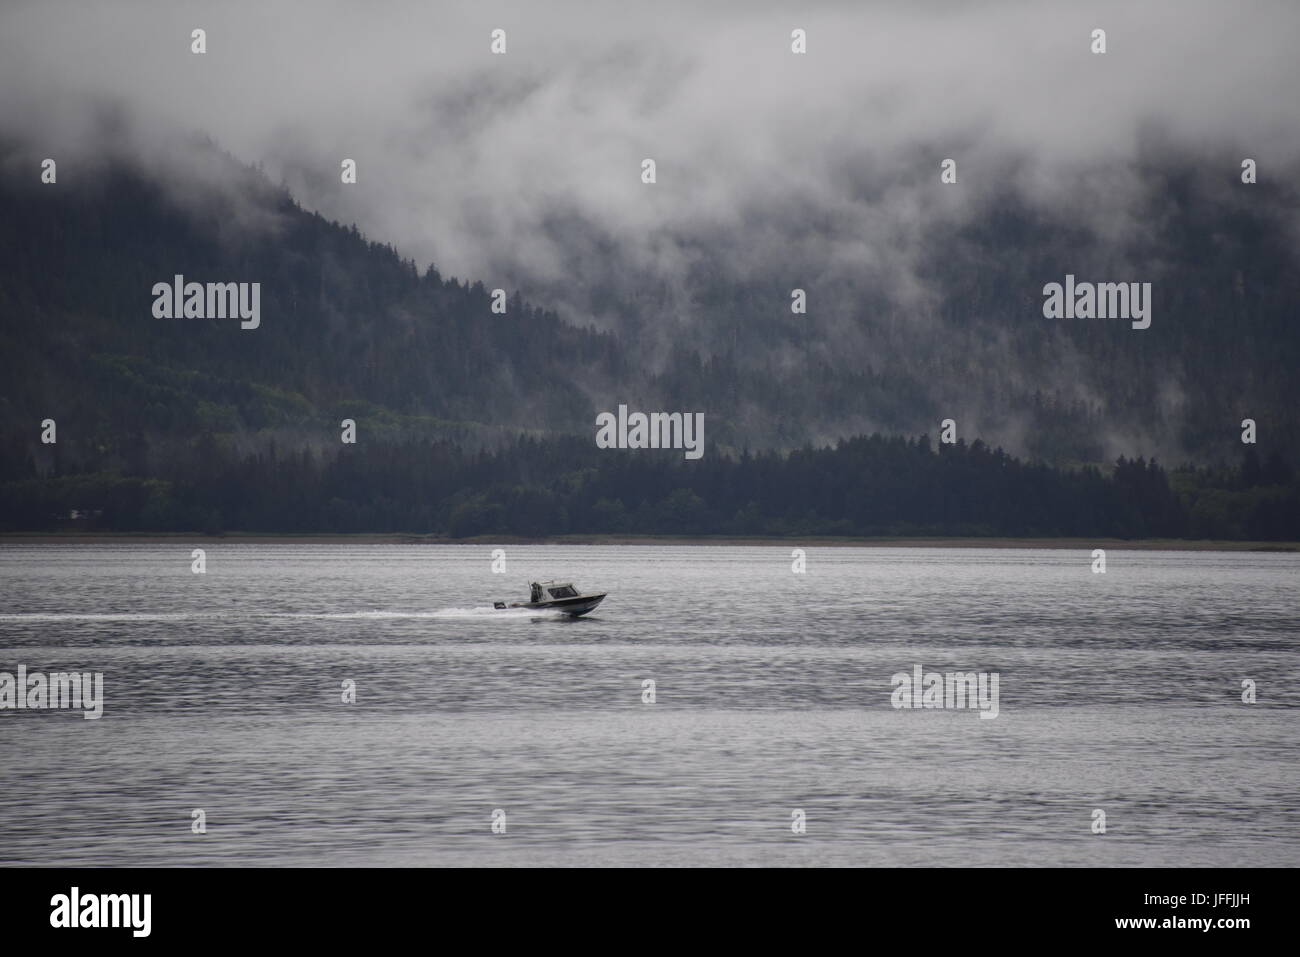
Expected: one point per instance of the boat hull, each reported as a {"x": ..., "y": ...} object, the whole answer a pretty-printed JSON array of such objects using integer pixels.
[{"x": 574, "y": 607}]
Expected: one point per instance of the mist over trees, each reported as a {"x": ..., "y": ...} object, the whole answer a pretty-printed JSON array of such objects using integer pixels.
[{"x": 474, "y": 423}]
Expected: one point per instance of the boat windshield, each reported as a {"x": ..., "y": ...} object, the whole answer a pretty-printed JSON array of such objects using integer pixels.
[{"x": 563, "y": 591}]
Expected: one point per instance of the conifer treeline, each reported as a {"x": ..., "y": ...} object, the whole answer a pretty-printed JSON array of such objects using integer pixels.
[
  {"x": 350, "y": 328},
  {"x": 440, "y": 385},
  {"x": 865, "y": 486}
]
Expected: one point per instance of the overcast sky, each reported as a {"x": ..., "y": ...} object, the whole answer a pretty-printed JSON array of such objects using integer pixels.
[
  {"x": 471, "y": 160},
  {"x": 820, "y": 170}
]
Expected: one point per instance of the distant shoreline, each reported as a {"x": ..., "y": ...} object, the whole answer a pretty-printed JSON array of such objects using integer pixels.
[{"x": 399, "y": 538}]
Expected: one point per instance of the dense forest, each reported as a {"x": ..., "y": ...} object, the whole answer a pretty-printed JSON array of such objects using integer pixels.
[
  {"x": 350, "y": 327},
  {"x": 866, "y": 486},
  {"x": 474, "y": 423}
]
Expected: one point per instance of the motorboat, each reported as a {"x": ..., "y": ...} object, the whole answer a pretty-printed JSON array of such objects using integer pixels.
[{"x": 556, "y": 596}]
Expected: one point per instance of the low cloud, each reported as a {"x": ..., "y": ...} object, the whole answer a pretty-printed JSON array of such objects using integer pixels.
[{"x": 523, "y": 170}]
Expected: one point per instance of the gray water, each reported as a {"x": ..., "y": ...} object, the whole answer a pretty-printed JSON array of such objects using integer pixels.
[{"x": 1119, "y": 691}]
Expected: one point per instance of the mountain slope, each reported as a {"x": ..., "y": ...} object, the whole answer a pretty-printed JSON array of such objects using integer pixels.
[{"x": 351, "y": 330}]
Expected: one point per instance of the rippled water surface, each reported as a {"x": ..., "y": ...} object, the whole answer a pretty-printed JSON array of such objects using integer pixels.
[{"x": 1120, "y": 692}]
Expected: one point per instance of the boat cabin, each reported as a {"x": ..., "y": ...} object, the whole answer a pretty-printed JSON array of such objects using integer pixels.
[
  {"x": 548, "y": 591},
  {"x": 556, "y": 596}
]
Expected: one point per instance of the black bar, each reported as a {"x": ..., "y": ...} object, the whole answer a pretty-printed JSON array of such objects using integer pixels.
[{"x": 947, "y": 908}]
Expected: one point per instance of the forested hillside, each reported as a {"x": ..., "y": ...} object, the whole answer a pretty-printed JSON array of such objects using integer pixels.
[
  {"x": 197, "y": 423},
  {"x": 862, "y": 487},
  {"x": 350, "y": 329}
]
